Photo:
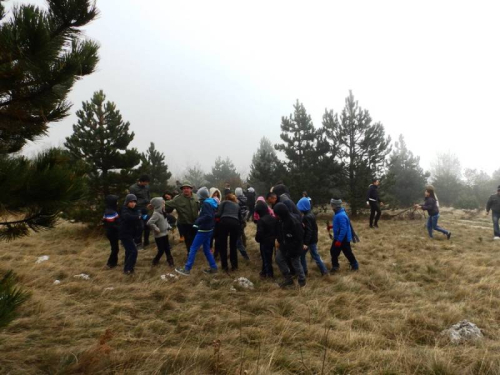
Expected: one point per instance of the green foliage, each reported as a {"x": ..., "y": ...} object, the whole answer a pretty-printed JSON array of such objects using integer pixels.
[
  {"x": 446, "y": 178},
  {"x": 41, "y": 57},
  {"x": 195, "y": 175},
  {"x": 101, "y": 139},
  {"x": 34, "y": 192},
  {"x": 405, "y": 180},
  {"x": 223, "y": 171},
  {"x": 11, "y": 298},
  {"x": 153, "y": 164},
  {"x": 361, "y": 147},
  {"x": 266, "y": 168}
]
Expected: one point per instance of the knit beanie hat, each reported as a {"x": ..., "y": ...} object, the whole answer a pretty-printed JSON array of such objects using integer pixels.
[
  {"x": 203, "y": 193},
  {"x": 336, "y": 202},
  {"x": 130, "y": 198}
]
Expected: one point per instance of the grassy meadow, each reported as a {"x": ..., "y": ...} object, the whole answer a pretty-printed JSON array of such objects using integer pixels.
[{"x": 384, "y": 319}]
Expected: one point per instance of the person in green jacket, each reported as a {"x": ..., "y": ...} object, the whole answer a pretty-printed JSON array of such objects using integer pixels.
[{"x": 187, "y": 206}]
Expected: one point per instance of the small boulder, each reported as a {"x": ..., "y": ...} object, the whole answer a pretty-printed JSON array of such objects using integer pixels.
[
  {"x": 57, "y": 282},
  {"x": 244, "y": 283},
  {"x": 169, "y": 276},
  {"x": 83, "y": 276},
  {"x": 463, "y": 331},
  {"x": 42, "y": 259}
]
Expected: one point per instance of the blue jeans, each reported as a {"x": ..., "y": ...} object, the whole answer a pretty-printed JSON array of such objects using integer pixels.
[
  {"x": 201, "y": 239},
  {"x": 496, "y": 217},
  {"x": 241, "y": 248},
  {"x": 313, "y": 250},
  {"x": 432, "y": 224},
  {"x": 130, "y": 254}
]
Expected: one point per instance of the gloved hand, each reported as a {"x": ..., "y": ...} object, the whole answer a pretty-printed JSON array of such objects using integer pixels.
[
  {"x": 144, "y": 217},
  {"x": 338, "y": 244}
]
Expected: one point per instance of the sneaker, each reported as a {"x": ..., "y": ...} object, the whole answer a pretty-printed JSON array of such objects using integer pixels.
[
  {"x": 334, "y": 270},
  {"x": 496, "y": 238},
  {"x": 211, "y": 270},
  {"x": 376, "y": 226},
  {"x": 128, "y": 273},
  {"x": 286, "y": 283},
  {"x": 302, "y": 283},
  {"x": 183, "y": 271},
  {"x": 355, "y": 266},
  {"x": 448, "y": 236}
]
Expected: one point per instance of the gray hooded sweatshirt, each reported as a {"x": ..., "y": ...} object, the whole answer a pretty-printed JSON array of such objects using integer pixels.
[{"x": 158, "y": 223}]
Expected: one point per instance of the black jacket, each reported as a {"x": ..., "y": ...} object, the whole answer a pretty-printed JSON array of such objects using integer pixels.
[
  {"x": 111, "y": 218},
  {"x": 266, "y": 226},
  {"x": 310, "y": 229},
  {"x": 493, "y": 204},
  {"x": 131, "y": 223},
  {"x": 250, "y": 199},
  {"x": 290, "y": 233},
  {"x": 142, "y": 194},
  {"x": 431, "y": 206},
  {"x": 372, "y": 195},
  {"x": 229, "y": 209}
]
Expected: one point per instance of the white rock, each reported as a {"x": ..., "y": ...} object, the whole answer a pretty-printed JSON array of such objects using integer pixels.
[
  {"x": 244, "y": 283},
  {"x": 109, "y": 289},
  {"x": 83, "y": 276},
  {"x": 42, "y": 259},
  {"x": 57, "y": 282},
  {"x": 169, "y": 276},
  {"x": 232, "y": 289},
  {"x": 463, "y": 331}
]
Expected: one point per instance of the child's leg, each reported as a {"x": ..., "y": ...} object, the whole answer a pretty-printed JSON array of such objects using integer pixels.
[
  {"x": 313, "y": 249},
  {"x": 197, "y": 242},
  {"x": 206, "y": 249},
  {"x": 170, "y": 259},
  {"x": 282, "y": 263},
  {"x": 346, "y": 249},
  {"x": 161, "y": 249},
  {"x": 268, "y": 255},
  {"x": 297, "y": 265},
  {"x": 429, "y": 226},
  {"x": 130, "y": 255},
  {"x": 115, "y": 248},
  {"x": 335, "y": 252},
  {"x": 303, "y": 261},
  {"x": 263, "y": 258},
  {"x": 435, "y": 225}
]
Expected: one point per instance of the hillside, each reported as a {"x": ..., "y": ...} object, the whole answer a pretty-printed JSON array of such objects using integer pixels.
[{"x": 384, "y": 319}]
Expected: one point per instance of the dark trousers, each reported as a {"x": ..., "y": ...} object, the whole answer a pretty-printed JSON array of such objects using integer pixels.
[
  {"x": 346, "y": 249},
  {"x": 144, "y": 229},
  {"x": 229, "y": 228},
  {"x": 130, "y": 254},
  {"x": 266, "y": 253},
  {"x": 374, "y": 213},
  {"x": 283, "y": 260},
  {"x": 251, "y": 211},
  {"x": 189, "y": 234},
  {"x": 115, "y": 248},
  {"x": 163, "y": 246}
]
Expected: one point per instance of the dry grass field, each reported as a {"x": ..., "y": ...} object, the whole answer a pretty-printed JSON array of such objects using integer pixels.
[{"x": 384, "y": 319}]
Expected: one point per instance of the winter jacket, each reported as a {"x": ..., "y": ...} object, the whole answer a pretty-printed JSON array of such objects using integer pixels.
[
  {"x": 242, "y": 201},
  {"x": 111, "y": 219},
  {"x": 158, "y": 223},
  {"x": 310, "y": 229},
  {"x": 280, "y": 189},
  {"x": 290, "y": 233},
  {"x": 493, "y": 204},
  {"x": 261, "y": 200},
  {"x": 250, "y": 194},
  {"x": 213, "y": 191},
  {"x": 142, "y": 194},
  {"x": 229, "y": 210},
  {"x": 131, "y": 223},
  {"x": 285, "y": 199},
  {"x": 187, "y": 208},
  {"x": 266, "y": 226},
  {"x": 341, "y": 226},
  {"x": 206, "y": 220},
  {"x": 372, "y": 195},
  {"x": 431, "y": 206}
]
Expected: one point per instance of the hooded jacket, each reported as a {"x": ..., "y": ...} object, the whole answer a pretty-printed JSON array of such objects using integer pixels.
[
  {"x": 290, "y": 233},
  {"x": 158, "y": 222},
  {"x": 285, "y": 199},
  {"x": 142, "y": 194},
  {"x": 213, "y": 190},
  {"x": 131, "y": 222},
  {"x": 266, "y": 226},
  {"x": 341, "y": 226},
  {"x": 242, "y": 201},
  {"x": 187, "y": 208},
  {"x": 256, "y": 216},
  {"x": 309, "y": 222},
  {"x": 111, "y": 219},
  {"x": 206, "y": 221}
]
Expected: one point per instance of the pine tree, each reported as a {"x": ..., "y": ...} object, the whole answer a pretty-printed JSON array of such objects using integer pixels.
[
  {"x": 362, "y": 149},
  {"x": 447, "y": 178},
  {"x": 195, "y": 175},
  {"x": 101, "y": 139},
  {"x": 405, "y": 179},
  {"x": 11, "y": 297},
  {"x": 41, "y": 57},
  {"x": 153, "y": 164},
  {"x": 266, "y": 168},
  {"x": 223, "y": 171}
]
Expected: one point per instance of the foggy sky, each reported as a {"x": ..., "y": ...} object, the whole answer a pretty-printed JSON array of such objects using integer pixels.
[{"x": 209, "y": 78}]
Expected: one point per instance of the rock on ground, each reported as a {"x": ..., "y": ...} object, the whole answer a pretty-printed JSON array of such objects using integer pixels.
[{"x": 463, "y": 331}]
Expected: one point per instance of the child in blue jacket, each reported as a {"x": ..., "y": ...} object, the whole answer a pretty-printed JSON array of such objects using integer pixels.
[
  {"x": 342, "y": 237},
  {"x": 205, "y": 225}
]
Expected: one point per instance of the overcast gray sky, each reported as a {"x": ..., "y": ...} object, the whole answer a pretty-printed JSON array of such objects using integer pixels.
[{"x": 209, "y": 78}]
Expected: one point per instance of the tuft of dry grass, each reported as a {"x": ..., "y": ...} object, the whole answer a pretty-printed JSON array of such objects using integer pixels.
[{"x": 384, "y": 319}]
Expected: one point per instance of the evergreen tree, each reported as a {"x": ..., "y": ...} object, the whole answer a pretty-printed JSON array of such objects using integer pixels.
[
  {"x": 11, "y": 297},
  {"x": 477, "y": 187},
  {"x": 195, "y": 175},
  {"x": 41, "y": 57},
  {"x": 362, "y": 148},
  {"x": 405, "y": 180},
  {"x": 446, "y": 178},
  {"x": 153, "y": 164},
  {"x": 223, "y": 171},
  {"x": 266, "y": 168},
  {"x": 101, "y": 139}
]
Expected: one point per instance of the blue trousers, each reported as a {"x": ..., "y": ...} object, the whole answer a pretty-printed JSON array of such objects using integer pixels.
[
  {"x": 496, "y": 228},
  {"x": 201, "y": 239},
  {"x": 432, "y": 224},
  {"x": 313, "y": 250},
  {"x": 130, "y": 254}
]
